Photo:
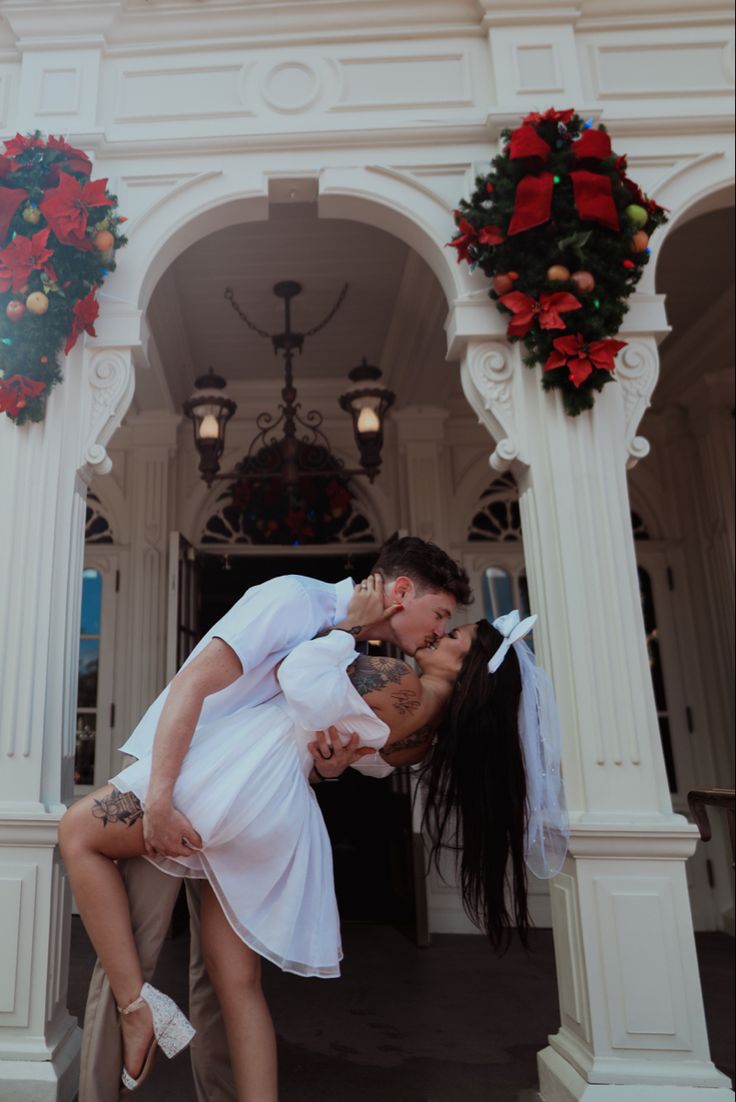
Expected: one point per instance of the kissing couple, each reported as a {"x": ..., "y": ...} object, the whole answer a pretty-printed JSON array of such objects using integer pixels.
[{"x": 273, "y": 699}]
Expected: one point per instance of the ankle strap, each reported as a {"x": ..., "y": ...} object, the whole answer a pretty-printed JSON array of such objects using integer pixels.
[{"x": 136, "y": 1005}]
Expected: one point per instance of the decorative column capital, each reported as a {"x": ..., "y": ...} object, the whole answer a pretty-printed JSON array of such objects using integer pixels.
[
  {"x": 637, "y": 371},
  {"x": 489, "y": 373},
  {"x": 110, "y": 381}
]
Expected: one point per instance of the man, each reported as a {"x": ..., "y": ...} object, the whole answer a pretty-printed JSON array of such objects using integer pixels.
[{"x": 232, "y": 666}]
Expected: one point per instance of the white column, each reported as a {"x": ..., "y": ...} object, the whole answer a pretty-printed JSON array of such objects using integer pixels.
[
  {"x": 424, "y": 486},
  {"x": 153, "y": 444},
  {"x": 46, "y": 468},
  {"x": 632, "y": 1022}
]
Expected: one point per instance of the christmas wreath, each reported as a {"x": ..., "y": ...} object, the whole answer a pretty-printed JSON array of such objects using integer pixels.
[
  {"x": 564, "y": 235},
  {"x": 59, "y": 232}
]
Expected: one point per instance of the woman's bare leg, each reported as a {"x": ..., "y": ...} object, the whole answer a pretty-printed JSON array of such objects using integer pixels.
[
  {"x": 235, "y": 974},
  {"x": 93, "y": 834}
]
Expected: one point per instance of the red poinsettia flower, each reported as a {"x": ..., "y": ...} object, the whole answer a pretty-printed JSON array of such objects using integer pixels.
[
  {"x": 550, "y": 115},
  {"x": 593, "y": 144},
  {"x": 15, "y": 392},
  {"x": 546, "y": 311},
  {"x": 582, "y": 359},
  {"x": 467, "y": 237},
  {"x": 470, "y": 236},
  {"x": 21, "y": 142},
  {"x": 525, "y": 142},
  {"x": 83, "y": 321},
  {"x": 66, "y": 207},
  {"x": 21, "y": 257},
  {"x": 75, "y": 160}
]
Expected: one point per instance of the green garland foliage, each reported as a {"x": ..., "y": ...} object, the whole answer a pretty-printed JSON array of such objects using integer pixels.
[
  {"x": 54, "y": 221},
  {"x": 567, "y": 238}
]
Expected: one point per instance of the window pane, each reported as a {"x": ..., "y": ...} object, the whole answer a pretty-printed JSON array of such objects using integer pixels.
[
  {"x": 89, "y": 651},
  {"x": 497, "y": 592},
  {"x": 84, "y": 758},
  {"x": 91, "y": 602}
]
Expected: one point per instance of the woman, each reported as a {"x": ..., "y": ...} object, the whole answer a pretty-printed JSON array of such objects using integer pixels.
[{"x": 265, "y": 851}]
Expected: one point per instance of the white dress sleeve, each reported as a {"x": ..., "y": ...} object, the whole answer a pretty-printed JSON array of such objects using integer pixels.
[{"x": 319, "y": 694}]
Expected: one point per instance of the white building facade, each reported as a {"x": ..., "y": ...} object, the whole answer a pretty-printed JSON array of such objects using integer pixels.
[{"x": 329, "y": 142}]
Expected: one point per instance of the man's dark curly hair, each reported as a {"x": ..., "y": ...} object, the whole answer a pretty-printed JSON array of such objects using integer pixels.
[{"x": 428, "y": 566}]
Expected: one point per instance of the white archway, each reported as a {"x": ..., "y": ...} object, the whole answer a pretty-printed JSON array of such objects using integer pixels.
[{"x": 695, "y": 187}]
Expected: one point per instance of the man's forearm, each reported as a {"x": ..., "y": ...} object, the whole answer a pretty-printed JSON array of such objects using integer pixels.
[{"x": 173, "y": 737}]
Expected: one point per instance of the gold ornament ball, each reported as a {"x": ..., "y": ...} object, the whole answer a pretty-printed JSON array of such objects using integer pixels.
[
  {"x": 32, "y": 215},
  {"x": 584, "y": 281},
  {"x": 637, "y": 215},
  {"x": 37, "y": 303},
  {"x": 558, "y": 273},
  {"x": 502, "y": 283},
  {"x": 639, "y": 242},
  {"x": 104, "y": 241}
]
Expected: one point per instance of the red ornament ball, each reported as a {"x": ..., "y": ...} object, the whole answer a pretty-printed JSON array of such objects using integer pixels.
[
  {"x": 15, "y": 309},
  {"x": 584, "y": 281}
]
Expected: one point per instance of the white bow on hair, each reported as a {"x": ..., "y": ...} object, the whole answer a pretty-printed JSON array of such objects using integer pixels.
[{"x": 513, "y": 628}]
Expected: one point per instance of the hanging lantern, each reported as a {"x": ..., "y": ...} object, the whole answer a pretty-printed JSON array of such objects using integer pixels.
[
  {"x": 209, "y": 409},
  {"x": 367, "y": 405}
]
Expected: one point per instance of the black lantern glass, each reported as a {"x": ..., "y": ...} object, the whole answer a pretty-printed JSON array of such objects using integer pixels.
[
  {"x": 209, "y": 410},
  {"x": 367, "y": 405}
]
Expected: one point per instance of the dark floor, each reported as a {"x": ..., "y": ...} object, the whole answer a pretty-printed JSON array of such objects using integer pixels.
[{"x": 451, "y": 1023}]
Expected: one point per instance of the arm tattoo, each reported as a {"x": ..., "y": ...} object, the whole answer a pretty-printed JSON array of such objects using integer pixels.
[
  {"x": 118, "y": 807},
  {"x": 405, "y": 701},
  {"x": 370, "y": 674},
  {"x": 421, "y": 737}
]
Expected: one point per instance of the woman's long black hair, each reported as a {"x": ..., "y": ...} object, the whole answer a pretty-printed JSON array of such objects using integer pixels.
[{"x": 475, "y": 795}]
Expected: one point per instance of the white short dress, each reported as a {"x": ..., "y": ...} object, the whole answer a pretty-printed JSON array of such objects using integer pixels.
[{"x": 244, "y": 787}]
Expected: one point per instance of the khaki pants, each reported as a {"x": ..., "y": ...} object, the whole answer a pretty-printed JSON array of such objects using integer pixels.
[{"x": 152, "y": 895}]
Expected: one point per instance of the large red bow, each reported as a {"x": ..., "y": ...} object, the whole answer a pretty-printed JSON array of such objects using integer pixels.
[
  {"x": 533, "y": 202},
  {"x": 525, "y": 142},
  {"x": 595, "y": 144},
  {"x": 547, "y": 310},
  {"x": 582, "y": 359},
  {"x": 593, "y": 197}
]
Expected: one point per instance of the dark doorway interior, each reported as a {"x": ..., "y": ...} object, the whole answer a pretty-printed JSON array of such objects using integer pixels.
[{"x": 368, "y": 820}]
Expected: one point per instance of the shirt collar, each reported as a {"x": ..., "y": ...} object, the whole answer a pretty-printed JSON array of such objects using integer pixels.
[{"x": 343, "y": 593}]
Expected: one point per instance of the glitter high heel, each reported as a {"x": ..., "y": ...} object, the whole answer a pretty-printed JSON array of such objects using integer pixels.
[{"x": 171, "y": 1030}]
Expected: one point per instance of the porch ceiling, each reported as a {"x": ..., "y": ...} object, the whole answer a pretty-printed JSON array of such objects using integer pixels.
[
  {"x": 393, "y": 312},
  {"x": 194, "y": 327}
]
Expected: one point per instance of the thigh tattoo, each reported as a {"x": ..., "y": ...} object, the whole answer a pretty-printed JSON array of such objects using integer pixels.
[{"x": 118, "y": 807}]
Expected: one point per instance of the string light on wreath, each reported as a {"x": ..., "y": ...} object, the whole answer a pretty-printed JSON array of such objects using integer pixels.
[
  {"x": 558, "y": 215},
  {"x": 59, "y": 232}
]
